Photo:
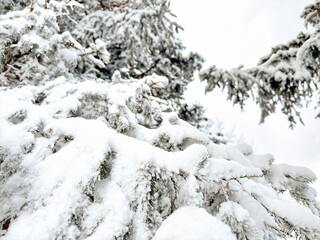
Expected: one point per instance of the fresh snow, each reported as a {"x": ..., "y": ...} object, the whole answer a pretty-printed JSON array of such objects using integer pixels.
[
  {"x": 60, "y": 158},
  {"x": 193, "y": 223},
  {"x": 92, "y": 146}
]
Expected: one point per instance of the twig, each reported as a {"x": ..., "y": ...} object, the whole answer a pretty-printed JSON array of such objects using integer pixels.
[{"x": 148, "y": 70}]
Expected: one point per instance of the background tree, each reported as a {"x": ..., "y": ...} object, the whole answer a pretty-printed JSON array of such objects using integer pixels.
[
  {"x": 11, "y": 5},
  {"x": 141, "y": 40},
  {"x": 288, "y": 76}
]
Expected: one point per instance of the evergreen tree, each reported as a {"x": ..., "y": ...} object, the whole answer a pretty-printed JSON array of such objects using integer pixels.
[
  {"x": 141, "y": 40},
  {"x": 288, "y": 76},
  {"x": 11, "y": 5},
  {"x": 95, "y": 145}
]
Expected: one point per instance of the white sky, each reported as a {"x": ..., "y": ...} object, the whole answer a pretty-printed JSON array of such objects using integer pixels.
[{"x": 233, "y": 32}]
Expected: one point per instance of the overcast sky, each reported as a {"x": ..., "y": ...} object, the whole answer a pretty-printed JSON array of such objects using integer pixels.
[{"x": 232, "y": 32}]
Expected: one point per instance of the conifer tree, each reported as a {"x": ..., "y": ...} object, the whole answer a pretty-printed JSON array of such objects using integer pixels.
[
  {"x": 141, "y": 40},
  {"x": 288, "y": 76},
  {"x": 95, "y": 145}
]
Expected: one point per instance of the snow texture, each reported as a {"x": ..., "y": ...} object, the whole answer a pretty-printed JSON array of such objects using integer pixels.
[
  {"x": 193, "y": 223},
  {"x": 76, "y": 172},
  {"x": 94, "y": 147}
]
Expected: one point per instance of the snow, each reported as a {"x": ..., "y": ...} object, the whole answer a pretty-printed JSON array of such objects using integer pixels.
[
  {"x": 156, "y": 81},
  {"x": 283, "y": 174},
  {"x": 222, "y": 169},
  {"x": 59, "y": 189},
  {"x": 86, "y": 158},
  {"x": 67, "y": 172},
  {"x": 111, "y": 202},
  {"x": 240, "y": 220},
  {"x": 293, "y": 212},
  {"x": 193, "y": 223},
  {"x": 263, "y": 162}
]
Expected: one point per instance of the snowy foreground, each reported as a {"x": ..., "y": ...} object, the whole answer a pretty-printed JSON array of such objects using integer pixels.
[{"x": 78, "y": 163}]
